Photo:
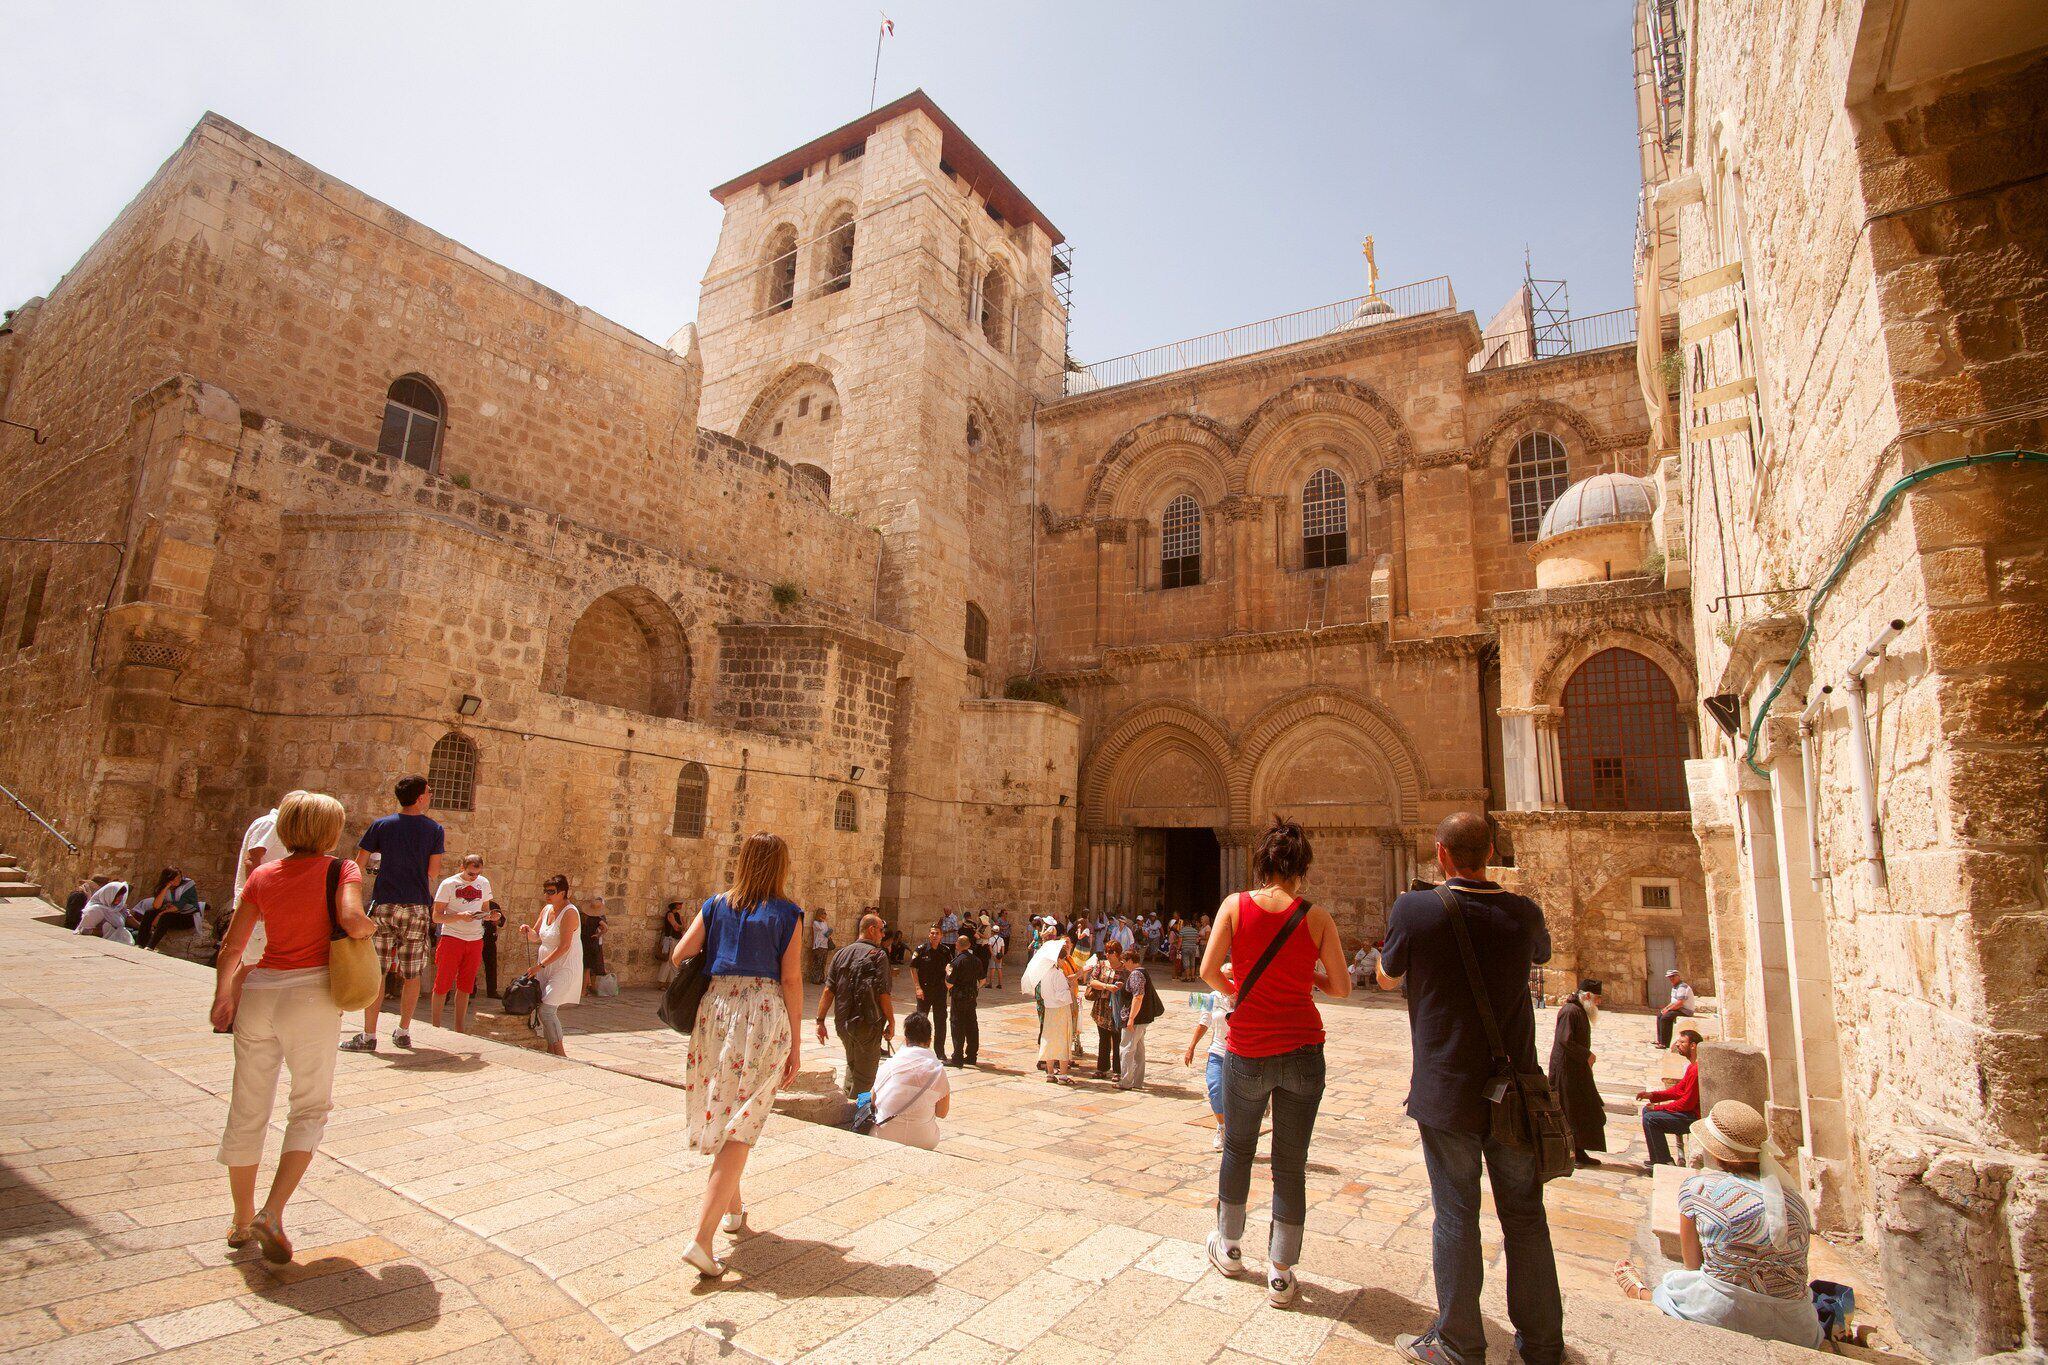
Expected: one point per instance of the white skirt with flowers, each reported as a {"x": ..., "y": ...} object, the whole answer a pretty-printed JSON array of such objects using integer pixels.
[{"x": 734, "y": 1068}]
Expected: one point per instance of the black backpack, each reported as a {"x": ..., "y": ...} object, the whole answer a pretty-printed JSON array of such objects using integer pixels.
[{"x": 1152, "y": 1006}]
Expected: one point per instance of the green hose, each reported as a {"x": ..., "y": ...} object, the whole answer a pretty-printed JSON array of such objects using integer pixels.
[{"x": 1827, "y": 585}]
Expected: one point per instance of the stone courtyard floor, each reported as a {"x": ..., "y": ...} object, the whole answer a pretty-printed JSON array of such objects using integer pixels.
[{"x": 474, "y": 1200}]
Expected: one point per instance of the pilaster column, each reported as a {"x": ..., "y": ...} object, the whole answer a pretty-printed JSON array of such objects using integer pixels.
[{"x": 1549, "y": 758}]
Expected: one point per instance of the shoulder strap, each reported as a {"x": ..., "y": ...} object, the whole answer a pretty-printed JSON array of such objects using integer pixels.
[
  {"x": 915, "y": 1095},
  {"x": 1258, "y": 970},
  {"x": 1501, "y": 1063},
  {"x": 333, "y": 888}
]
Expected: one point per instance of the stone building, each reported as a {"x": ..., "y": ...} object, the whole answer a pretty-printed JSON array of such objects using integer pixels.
[
  {"x": 1844, "y": 248},
  {"x": 324, "y": 497}
]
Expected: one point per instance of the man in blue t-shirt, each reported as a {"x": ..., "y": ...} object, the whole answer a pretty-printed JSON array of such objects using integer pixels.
[
  {"x": 1452, "y": 1068},
  {"x": 408, "y": 846}
]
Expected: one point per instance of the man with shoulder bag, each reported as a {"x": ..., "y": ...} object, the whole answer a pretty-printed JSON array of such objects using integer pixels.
[
  {"x": 1464, "y": 951},
  {"x": 857, "y": 998}
]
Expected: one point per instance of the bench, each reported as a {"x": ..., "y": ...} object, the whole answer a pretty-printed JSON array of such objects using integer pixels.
[{"x": 1664, "y": 1209}]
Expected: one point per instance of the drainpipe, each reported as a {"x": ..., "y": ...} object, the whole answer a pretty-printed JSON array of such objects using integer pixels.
[
  {"x": 1859, "y": 750},
  {"x": 1809, "y": 768}
]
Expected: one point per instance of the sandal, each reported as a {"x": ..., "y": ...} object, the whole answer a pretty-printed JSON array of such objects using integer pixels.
[
  {"x": 277, "y": 1248},
  {"x": 1631, "y": 1280},
  {"x": 241, "y": 1236}
]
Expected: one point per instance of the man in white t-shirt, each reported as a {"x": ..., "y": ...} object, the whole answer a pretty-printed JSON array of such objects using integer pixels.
[
  {"x": 460, "y": 906},
  {"x": 1679, "y": 1006},
  {"x": 821, "y": 946},
  {"x": 260, "y": 845}
]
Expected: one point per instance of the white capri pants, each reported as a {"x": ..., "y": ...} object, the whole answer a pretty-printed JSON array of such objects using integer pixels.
[{"x": 296, "y": 1027}]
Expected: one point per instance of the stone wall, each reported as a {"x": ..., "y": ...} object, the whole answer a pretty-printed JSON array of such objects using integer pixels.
[{"x": 1888, "y": 254}]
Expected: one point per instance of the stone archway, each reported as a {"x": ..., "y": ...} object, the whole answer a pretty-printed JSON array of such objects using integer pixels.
[{"x": 627, "y": 650}]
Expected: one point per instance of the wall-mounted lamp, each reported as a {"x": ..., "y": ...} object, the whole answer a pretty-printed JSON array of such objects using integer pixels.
[
  {"x": 1063, "y": 798},
  {"x": 468, "y": 705},
  {"x": 858, "y": 772}
]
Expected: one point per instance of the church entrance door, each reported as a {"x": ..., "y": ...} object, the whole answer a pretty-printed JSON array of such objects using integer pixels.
[{"x": 1193, "y": 883}]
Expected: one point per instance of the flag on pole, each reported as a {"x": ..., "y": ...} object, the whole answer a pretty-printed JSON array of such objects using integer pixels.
[
  {"x": 887, "y": 30},
  {"x": 888, "y": 25}
]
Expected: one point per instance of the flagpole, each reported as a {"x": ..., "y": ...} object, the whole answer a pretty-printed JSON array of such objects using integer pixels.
[{"x": 875, "y": 81}]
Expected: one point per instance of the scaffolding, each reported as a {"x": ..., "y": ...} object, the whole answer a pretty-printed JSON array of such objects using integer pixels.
[
  {"x": 1063, "y": 290},
  {"x": 1665, "y": 41},
  {"x": 1550, "y": 314}
]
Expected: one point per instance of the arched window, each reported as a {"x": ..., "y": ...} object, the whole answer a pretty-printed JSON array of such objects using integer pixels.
[
  {"x": 977, "y": 634},
  {"x": 412, "y": 421},
  {"x": 836, "y": 255},
  {"x": 846, "y": 814},
  {"x": 778, "y": 271},
  {"x": 1056, "y": 832},
  {"x": 451, "y": 772},
  {"x": 1324, "y": 544},
  {"x": 817, "y": 476},
  {"x": 1624, "y": 746},
  {"x": 1180, "y": 544},
  {"x": 995, "y": 308},
  {"x": 1536, "y": 475},
  {"x": 693, "y": 787}
]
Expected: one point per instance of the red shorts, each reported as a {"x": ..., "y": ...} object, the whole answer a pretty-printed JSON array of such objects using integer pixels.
[{"x": 455, "y": 964}]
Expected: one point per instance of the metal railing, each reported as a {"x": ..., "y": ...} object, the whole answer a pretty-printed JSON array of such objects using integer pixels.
[
  {"x": 1408, "y": 300},
  {"x": 29, "y": 811},
  {"x": 1549, "y": 340}
]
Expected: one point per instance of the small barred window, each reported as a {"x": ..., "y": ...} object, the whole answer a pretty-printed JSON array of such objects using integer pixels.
[
  {"x": 1180, "y": 544},
  {"x": 846, "y": 814},
  {"x": 1536, "y": 475},
  {"x": 1324, "y": 542},
  {"x": 693, "y": 788},
  {"x": 451, "y": 772}
]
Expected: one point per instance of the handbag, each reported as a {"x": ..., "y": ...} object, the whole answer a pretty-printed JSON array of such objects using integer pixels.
[
  {"x": 523, "y": 995},
  {"x": 1525, "y": 1111},
  {"x": 682, "y": 995},
  {"x": 604, "y": 986},
  {"x": 353, "y": 976}
]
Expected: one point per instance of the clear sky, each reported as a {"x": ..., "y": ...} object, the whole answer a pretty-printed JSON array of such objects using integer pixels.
[{"x": 1211, "y": 163}]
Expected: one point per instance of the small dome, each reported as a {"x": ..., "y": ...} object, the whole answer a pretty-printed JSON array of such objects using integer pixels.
[
  {"x": 1374, "y": 310},
  {"x": 1603, "y": 500}
]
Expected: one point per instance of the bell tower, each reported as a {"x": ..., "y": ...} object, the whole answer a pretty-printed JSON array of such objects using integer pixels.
[{"x": 879, "y": 312}]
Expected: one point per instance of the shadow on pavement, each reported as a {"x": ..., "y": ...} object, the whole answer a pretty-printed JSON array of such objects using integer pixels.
[{"x": 396, "y": 1297}]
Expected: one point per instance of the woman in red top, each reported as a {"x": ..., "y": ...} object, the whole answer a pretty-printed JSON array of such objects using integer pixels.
[
  {"x": 1276, "y": 1046},
  {"x": 282, "y": 1012}
]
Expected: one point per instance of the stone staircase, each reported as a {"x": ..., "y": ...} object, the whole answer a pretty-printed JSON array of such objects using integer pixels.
[{"x": 16, "y": 880}]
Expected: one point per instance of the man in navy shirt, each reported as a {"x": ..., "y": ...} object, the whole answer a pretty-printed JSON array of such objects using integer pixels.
[
  {"x": 1447, "y": 1096},
  {"x": 409, "y": 847}
]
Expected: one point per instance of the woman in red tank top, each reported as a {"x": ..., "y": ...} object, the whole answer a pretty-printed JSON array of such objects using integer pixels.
[{"x": 1272, "y": 952}]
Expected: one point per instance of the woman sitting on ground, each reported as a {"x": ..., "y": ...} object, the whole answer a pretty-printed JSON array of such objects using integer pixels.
[
  {"x": 173, "y": 905},
  {"x": 1743, "y": 1234},
  {"x": 282, "y": 1012},
  {"x": 911, "y": 1093}
]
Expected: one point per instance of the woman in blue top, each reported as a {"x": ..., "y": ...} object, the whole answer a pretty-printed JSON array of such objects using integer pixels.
[{"x": 747, "y": 1043}]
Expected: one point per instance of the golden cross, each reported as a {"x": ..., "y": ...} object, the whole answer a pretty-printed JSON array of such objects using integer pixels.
[{"x": 1372, "y": 271}]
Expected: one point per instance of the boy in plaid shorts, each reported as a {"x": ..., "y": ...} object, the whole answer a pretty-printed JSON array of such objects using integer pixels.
[{"x": 409, "y": 847}]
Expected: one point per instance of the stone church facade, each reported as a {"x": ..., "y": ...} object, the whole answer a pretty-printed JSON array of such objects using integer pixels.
[{"x": 325, "y": 497}]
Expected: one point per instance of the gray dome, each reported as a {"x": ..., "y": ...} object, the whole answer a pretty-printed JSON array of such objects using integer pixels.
[{"x": 1603, "y": 500}]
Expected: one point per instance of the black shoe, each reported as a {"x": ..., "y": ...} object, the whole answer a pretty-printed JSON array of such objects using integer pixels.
[{"x": 1584, "y": 1159}]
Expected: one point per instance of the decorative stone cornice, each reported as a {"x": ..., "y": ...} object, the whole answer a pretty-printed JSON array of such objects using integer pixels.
[
  {"x": 1243, "y": 507},
  {"x": 1675, "y": 821},
  {"x": 1586, "y": 601}
]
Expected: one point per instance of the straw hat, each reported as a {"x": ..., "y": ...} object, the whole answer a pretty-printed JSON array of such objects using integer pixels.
[{"x": 1733, "y": 1131}]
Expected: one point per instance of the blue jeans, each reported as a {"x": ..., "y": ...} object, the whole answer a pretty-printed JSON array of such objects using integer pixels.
[
  {"x": 1215, "y": 1079},
  {"x": 1534, "y": 1307},
  {"x": 1658, "y": 1126},
  {"x": 1293, "y": 1081}
]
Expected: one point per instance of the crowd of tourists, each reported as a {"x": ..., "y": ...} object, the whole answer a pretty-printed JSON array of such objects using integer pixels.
[{"x": 1459, "y": 952}]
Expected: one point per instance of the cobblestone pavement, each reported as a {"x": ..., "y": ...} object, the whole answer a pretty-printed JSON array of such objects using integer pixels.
[{"x": 477, "y": 1200}]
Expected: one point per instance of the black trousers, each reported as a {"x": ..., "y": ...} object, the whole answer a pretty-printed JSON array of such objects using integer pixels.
[
  {"x": 1667, "y": 1024},
  {"x": 491, "y": 960},
  {"x": 1108, "y": 1051},
  {"x": 935, "y": 1005},
  {"x": 966, "y": 1029},
  {"x": 157, "y": 923}
]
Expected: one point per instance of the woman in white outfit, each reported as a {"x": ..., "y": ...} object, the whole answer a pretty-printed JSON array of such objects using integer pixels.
[
  {"x": 558, "y": 932},
  {"x": 281, "y": 1011},
  {"x": 106, "y": 913}
]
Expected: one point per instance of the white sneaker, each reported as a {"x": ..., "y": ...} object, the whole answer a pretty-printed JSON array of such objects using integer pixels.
[
  {"x": 1217, "y": 1145},
  {"x": 1282, "y": 1288},
  {"x": 733, "y": 1224},
  {"x": 1228, "y": 1260}
]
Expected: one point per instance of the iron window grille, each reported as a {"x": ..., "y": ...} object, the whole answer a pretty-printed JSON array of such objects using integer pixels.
[
  {"x": 1180, "y": 544},
  {"x": 693, "y": 787},
  {"x": 846, "y": 814},
  {"x": 451, "y": 772},
  {"x": 1324, "y": 540},
  {"x": 1624, "y": 746},
  {"x": 977, "y": 634},
  {"x": 1536, "y": 475}
]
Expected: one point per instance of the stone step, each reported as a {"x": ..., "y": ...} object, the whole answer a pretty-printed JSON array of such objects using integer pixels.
[{"x": 11, "y": 887}]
